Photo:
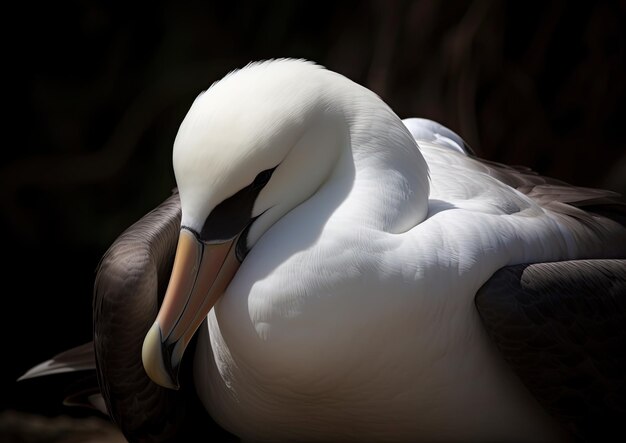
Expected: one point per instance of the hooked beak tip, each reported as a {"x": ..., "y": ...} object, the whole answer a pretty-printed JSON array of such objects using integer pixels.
[{"x": 156, "y": 363}]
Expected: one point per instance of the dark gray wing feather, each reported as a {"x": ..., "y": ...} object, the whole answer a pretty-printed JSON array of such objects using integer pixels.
[
  {"x": 130, "y": 284},
  {"x": 562, "y": 328},
  {"x": 80, "y": 358},
  {"x": 84, "y": 390},
  {"x": 579, "y": 203}
]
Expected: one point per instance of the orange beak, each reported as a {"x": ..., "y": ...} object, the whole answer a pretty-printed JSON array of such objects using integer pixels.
[{"x": 200, "y": 275}]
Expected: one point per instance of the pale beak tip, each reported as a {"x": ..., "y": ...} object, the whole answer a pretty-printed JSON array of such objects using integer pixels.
[{"x": 153, "y": 361}]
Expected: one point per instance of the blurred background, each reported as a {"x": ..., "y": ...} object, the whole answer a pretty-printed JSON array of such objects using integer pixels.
[{"x": 95, "y": 92}]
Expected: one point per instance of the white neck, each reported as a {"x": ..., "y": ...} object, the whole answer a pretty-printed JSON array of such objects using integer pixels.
[
  {"x": 356, "y": 163},
  {"x": 382, "y": 165}
]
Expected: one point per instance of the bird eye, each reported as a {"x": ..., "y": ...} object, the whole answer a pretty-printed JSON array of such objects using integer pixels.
[{"x": 262, "y": 178}]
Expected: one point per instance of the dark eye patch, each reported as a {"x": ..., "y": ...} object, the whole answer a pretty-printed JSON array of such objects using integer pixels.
[
  {"x": 262, "y": 178},
  {"x": 232, "y": 216}
]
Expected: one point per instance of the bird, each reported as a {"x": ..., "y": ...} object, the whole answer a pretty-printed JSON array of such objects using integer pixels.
[{"x": 326, "y": 271}]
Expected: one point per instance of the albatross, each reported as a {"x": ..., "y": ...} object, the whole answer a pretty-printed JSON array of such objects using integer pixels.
[{"x": 326, "y": 271}]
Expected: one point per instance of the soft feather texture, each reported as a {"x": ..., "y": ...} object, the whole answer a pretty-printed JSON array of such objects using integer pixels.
[
  {"x": 352, "y": 317},
  {"x": 356, "y": 305},
  {"x": 131, "y": 281},
  {"x": 561, "y": 327}
]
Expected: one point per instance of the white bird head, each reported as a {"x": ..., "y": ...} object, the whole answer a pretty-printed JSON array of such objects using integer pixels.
[{"x": 248, "y": 138}]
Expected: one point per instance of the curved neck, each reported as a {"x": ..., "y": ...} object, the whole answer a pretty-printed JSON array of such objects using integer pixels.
[{"x": 391, "y": 184}]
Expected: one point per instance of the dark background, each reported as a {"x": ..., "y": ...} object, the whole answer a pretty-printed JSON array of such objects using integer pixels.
[{"x": 96, "y": 91}]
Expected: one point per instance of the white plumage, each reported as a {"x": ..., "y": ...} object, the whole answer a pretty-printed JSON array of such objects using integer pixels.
[
  {"x": 352, "y": 316},
  {"x": 337, "y": 253}
]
